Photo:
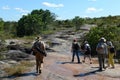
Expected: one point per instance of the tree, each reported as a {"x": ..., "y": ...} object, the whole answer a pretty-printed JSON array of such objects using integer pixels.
[
  {"x": 35, "y": 22},
  {"x": 77, "y": 22}
]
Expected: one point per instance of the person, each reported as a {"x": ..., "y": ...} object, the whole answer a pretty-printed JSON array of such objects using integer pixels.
[
  {"x": 38, "y": 49},
  {"x": 111, "y": 54},
  {"x": 87, "y": 51},
  {"x": 75, "y": 50},
  {"x": 102, "y": 52}
]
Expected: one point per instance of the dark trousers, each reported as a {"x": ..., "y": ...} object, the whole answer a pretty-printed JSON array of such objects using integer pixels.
[
  {"x": 76, "y": 52},
  {"x": 101, "y": 59}
]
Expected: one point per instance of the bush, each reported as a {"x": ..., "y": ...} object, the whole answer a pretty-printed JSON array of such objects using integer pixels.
[{"x": 109, "y": 33}]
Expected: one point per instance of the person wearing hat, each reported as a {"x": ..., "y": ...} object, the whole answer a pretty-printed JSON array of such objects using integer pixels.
[
  {"x": 102, "y": 52},
  {"x": 111, "y": 54},
  {"x": 38, "y": 49},
  {"x": 75, "y": 50}
]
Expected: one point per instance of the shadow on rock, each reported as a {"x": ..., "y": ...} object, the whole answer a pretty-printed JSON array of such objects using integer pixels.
[
  {"x": 86, "y": 74},
  {"x": 20, "y": 75},
  {"x": 68, "y": 63}
]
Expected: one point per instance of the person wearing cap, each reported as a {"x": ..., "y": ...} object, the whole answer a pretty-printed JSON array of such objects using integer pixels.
[
  {"x": 111, "y": 54},
  {"x": 102, "y": 52},
  {"x": 75, "y": 50},
  {"x": 39, "y": 49}
]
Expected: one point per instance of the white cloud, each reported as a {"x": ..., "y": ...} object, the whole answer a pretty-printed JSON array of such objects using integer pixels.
[
  {"x": 59, "y": 18},
  {"x": 92, "y": 0},
  {"x": 21, "y": 10},
  {"x": 24, "y": 14},
  {"x": 52, "y": 5},
  {"x": 5, "y": 7},
  {"x": 93, "y": 10},
  {"x": 85, "y": 16}
]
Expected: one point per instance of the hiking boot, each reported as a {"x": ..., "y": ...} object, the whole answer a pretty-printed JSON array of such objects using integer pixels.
[
  {"x": 41, "y": 61},
  {"x": 112, "y": 67},
  {"x": 39, "y": 71},
  {"x": 79, "y": 62},
  {"x": 100, "y": 69},
  {"x": 83, "y": 61}
]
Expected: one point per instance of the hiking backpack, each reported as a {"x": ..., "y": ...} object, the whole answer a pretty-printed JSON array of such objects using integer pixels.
[
  {"x": 112, "y": 50},
  {"x": 88, "y": 48},
  {"x": 76, "y": 46},
  {"x": 37, "y": 45},
  {"x": 101, "y": 48}
]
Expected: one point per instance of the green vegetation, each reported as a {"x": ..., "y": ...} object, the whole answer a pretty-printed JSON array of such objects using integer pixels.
[
  {"x": 19, "y": 69},
  {"x": 40, "y": 22},
  {"x": 110, "y": 33},
  {"x": 1, "y": 56},
  {"x": 35, "y": 23}
]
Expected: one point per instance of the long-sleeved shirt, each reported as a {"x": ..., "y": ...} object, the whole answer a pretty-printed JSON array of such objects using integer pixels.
[{"x": 102, "y": 48}]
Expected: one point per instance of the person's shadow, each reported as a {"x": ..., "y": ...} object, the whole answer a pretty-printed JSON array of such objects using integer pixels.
[
  {"x": 86, "y": 74},
  {"x": 20, "y": 75},
  {"x": 68, "y": 63}
]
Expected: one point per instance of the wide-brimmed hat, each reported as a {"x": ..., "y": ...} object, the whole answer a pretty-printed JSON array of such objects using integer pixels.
[
  {"x": 86, "y": 42},
  {"x": 109, "y": 43},
  {"x": 102, "y": 39}
]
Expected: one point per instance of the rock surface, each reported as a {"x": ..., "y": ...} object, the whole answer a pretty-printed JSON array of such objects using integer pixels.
[{"x": 59, "y": 67}]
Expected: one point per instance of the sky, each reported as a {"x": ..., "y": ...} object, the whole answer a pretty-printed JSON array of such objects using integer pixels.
[{"x": 13, "y": 10}]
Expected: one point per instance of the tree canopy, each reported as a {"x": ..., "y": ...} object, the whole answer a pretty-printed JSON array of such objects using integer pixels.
[
  {"x": 35, "y": 22},
  {"x": 109, "y": 33}
]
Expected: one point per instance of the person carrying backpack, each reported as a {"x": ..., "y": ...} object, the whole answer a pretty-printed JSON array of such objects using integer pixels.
[
  {"x": 87, "y": 51},
  {"x": 75, "y": 50},
  {"x": 38, "y": 49},
  {"x": 102, "y": 52},
  {"x": 111, "y": 54}
]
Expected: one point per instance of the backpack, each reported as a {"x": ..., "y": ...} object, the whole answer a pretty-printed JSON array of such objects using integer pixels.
[
  {"x": 112, "y": 50},
  {"x": 83, "y": 46},
  {"x": 37, "y": 46},
  {"x": 88, "y": 48},
  {"x": 100, "y": 48},
  {"x": 76, "y": 46}
]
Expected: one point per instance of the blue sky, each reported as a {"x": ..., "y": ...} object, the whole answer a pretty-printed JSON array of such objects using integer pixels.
[{"x": 12, "y": 10}]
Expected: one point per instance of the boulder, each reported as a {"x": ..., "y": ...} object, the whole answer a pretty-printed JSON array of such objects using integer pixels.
[
  {"x": 13, "y": 47},
  {"x": 18, "y": 55}
]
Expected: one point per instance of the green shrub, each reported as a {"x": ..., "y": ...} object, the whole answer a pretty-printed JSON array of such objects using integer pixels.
[{"x": 109, "y": 33}]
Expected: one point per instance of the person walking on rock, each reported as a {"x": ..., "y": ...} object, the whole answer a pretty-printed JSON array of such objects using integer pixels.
[
  {"x": 75, "y": 50},
  {"x": 102, "y": 52},
  {"x": 111, "y": 54},
  {"x": 38, "y": 49}
]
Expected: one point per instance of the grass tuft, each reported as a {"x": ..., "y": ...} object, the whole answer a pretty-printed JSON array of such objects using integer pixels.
[{"x": 19, "y": 69}]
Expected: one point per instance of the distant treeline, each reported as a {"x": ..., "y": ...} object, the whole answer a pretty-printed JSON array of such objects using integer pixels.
[
  {"x": 43, "y": 21},
  {"x": 40, "y": 22}
]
